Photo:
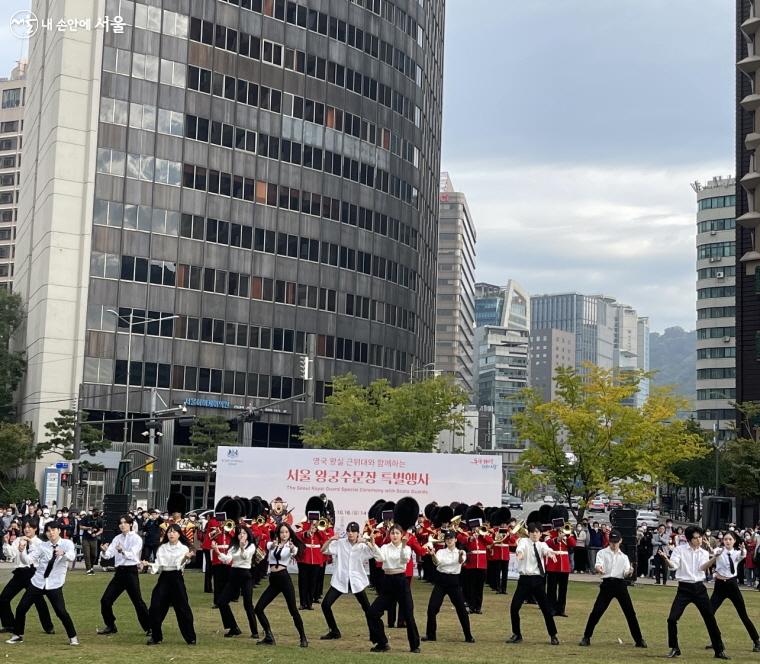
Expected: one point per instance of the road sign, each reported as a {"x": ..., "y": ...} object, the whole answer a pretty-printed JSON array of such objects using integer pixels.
[{"x": 63, "y": 465}]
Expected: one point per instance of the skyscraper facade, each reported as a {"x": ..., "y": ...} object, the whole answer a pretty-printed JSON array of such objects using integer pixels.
[
  {"x": 550, "y": 349},
  {"x": 455, "y": 296},
  {"x": 716, "y": 312},
  {"x": 225, "y": 184}
]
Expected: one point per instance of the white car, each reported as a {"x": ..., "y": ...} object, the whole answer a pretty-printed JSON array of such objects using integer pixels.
[
  {"x": 647, "y": 518},
  {"x": 549, "y": 500}
]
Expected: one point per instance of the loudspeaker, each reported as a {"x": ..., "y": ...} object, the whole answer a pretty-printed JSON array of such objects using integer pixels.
[
  {"x": 114, "y": 506},
  {"x": 718, "y": 512}
]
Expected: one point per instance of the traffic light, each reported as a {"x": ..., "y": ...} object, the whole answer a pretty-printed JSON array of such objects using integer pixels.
[
  {"x": 65, "y": 477},
  {"x": 186, "y": 421},
  {"x": 304, "y": 367}
]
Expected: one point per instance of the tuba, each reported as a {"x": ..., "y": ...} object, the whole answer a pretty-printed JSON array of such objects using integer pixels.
[{"x": 519, "y": 529}]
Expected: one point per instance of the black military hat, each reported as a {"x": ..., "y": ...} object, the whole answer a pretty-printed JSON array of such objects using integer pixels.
[
  {"x": 406, "y": 512},
  {"x": 315, "y": 504},
  {"x": 220, "y": 505},
  {"x": 176, "y": 503},
  {"x": 444, "y": 515}
]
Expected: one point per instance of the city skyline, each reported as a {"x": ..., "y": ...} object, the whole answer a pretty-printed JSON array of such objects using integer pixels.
[{"x": 612, "y": 170}]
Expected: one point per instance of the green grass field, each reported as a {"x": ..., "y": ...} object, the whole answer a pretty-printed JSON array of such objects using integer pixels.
[{"x": 490, "y": 630}]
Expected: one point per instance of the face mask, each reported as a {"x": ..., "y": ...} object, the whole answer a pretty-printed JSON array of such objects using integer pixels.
[{"x": 46, "y": 513}]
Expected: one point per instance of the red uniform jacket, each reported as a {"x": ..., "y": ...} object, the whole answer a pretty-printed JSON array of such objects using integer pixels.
[
  {"x": 312, "y": 553},
  {"x": 476, "y": 550},
  {"x": 206, "y": 543},
  {"x": 501, "y": 549},
  {"x": 562, "y": 564},
  {"x": 415, "y": 546},
  {"x": 223, "y": 542}
]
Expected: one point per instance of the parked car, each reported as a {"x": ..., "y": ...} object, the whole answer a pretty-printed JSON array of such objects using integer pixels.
[
  {"x": 648, "y": 518},
  {"x": 596, "y": 505},
  {"x": 615, "y": 502},
  {"x": 549, "y": 500}
]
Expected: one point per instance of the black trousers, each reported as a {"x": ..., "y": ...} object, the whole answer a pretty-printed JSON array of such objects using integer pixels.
[
  {"x": 580, "y": 558},
  {"x": 661, "y": 569},
  {"x": 394, "y": 589},
  {"x": 609, "y": 590},
  {"x": 240, "y": 582},
  {"x": 693, "y": 593},
  {"x": 31, "y": 596},
  {"x": 375, "y": 575},
  {"x": 502, "y": 575},
  {"x": 149, "y": 551},
  {"x": 124, "y": 579},
  {"x": 531, "y": 586},
  {"x": 19, "y": 582},
  {"x": 170, "y": 592},
  {"x": 729, "y": 590},
  {"x": 308, "y": 575},
  {"x": 447, "y": 585},
  {"x": 220, "y": 574},
  {"x": 556, "y": 590},
  {"x": 491, "y": 575},
  {"x": 319, "y": 583},
  {"x": 472, "y": 587},
  {"x": 279, "y": 582},
  {"x": 330, "y": 598},
  {"x": 208, "y": 585}
]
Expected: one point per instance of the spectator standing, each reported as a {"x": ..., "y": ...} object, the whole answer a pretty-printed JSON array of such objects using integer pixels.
[
  {"x": 580, "y": 559},
  {"x": 92, "y": 528},
  {"x": 594, "y": 545},
  {"x": 152, "y": 538},
  {"x": 660, "y": 543}
]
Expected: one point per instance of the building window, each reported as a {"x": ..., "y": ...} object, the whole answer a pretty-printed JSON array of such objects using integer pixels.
[{"x": 11, "y": 98}]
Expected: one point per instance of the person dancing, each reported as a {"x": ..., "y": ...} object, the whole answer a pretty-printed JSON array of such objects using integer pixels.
[
  {"x": 614, "y": 567},
  {"x": 726, "y": 563},
  {"x": 16, "y": 554},
  {"x": 281, "y": 551},
  {"x": 241, "y": 554},
  {"x": 125, "y": 550},
  {"x": 446, "y": 581},
  {"x": 394, "y": 556},
  {"x": 348, "y": 575},
  {"x": 171, "y": 557}
]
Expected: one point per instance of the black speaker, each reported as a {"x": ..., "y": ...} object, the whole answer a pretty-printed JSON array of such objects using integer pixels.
[{"x": 114, "y": 506}]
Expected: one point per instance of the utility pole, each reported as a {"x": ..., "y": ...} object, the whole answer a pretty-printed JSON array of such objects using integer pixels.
[
  {"x": 76, "y": 450},
  {"x": 308, "y": 374},
  {"x": 152, "y": 424}
]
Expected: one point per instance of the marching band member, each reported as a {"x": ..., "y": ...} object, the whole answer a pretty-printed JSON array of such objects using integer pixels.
[
  {"x": 502, "y": 541},
  {"x": 474, "y": 568},
  {"x": 16, "y": 554},
  {"x": 558, "y": 570},
  {"x": 614, "y": 567},
  {"x": 726, "y": 562},
  {"x": 448, "y": 563},
  {"x": 171, "y": 557},
  {"x": 690, "y": 562},
  {"x": 51, "y": 561},
  {"x": 348, "y": 574},
  {"x": 125, "y": 550},
  {"x": 240, "y": 555},
  {"x": 311, "y": 558},
  {"x": 531, "y": 559},
  {"x": 394, "y": 557},
  {"x": 281, "y": 551}
]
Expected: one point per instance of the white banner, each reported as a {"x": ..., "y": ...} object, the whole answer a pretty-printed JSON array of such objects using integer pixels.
[{"x": 354, "y": 480}]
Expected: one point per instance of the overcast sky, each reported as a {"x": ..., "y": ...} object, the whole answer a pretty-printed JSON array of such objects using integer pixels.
[{"x": 575, "y": 128}]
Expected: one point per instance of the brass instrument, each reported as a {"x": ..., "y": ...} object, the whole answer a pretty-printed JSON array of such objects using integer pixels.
[
  {"x": 259, "y": 555},
  {"x": 323, "y": 524},
  {"x": 567, "y": 530},
  {"x": 260, "y": 520},
  {"x": 228, "y": 527},
  {"x": 483, "y": 531},
  {"x": 454, "y": 524},
  {"x": 519, "y": 529},
  {"x": 430, "y": 546},
  {"x": 499, "y": 536}
]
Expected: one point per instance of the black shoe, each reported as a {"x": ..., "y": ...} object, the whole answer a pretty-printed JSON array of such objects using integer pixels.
[
  {"x": 414, "y": 650},
  {"x": 674, "y": 652},
  {"x": 560, "y": 615},
  {"x": 317, "y": 601},
  {"x": 585, "y": 642},
  {"x": 391, "y": 625},
  {"x": 554, "y": 641},
  {"x": 380, "y": 648},
  {"x": 721, "y": 655},
  {"x": 304, "y": 643},
  {"x": 268, "y": 640},
  {"x": 232, "y": 632},
  {"x": 427, "y": 638},
  {"x": 756, "y": 646},
  {"x": 52, "y": 630},
  {"x": 478, "y": 611},
  {"x": 255, "y": 635},
  {"x": 515, "y": 638},
  {"x": 151, "y": 642},
  {"x": 330, "y": 636},
  {"x": 191, "y": 643},
  {"x": 641, "y": 644},
  {"x": 214, "y": 606},
  {"x": 107, "y": 630},
  {"x": 6, "y": 630},
  {"x": 469, "y": 639},
  {"x": 708, "y": 647}
]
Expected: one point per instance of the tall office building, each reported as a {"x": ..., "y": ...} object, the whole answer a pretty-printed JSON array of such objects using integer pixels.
[
  {"x": 716, "y": 279},
  {"x": 747, "y": 202},
  {"x": 455, "y": 296},
  {"x": 550, "y": 349},
  {"x": 631, "y": 346},
  {"x": 12, "y": 101},
  {"x": 592, "y": 318},
  {"x": 502, "y": 361},
  {"x": 244, "y": 174}
]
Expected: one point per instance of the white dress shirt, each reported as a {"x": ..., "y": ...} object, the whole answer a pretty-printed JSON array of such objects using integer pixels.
[
  {"x": 529, "y": 565},
  {"x": 19, "y": 558},
  {"x": 285, "y": 553},
  {"x": 614, "y": 564},
  {"x": 240, "y": 558},
  {"x": 722, "y": 565},
  {"x": 170, "y": 558},
  {"x": 394, "y": 558},
  {"x": 349, "y": 565},
  {"x": 131, "y": 549},
  {"x": 687, "y": 562},
  {"x": 41, "y": 554},
  {"x": 448, "y": 560}
]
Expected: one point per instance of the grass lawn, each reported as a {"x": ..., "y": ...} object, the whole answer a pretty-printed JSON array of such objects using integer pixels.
[{"x": 490, "y": 630}]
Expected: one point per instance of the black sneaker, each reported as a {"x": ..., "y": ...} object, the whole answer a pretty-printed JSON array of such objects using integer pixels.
[
  {"x": 107, "y": 630},
  {"x": 330, "y": 636},
  {"x": 585, "y": 642},
  {"x": 378, "y": 648}
]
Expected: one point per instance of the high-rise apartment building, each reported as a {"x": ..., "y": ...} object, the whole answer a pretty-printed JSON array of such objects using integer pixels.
[
  {"x": 12, "y": 101},
  {"x": 631, "y": 346},
  {"x": 747, "y": 202},
  {"x": 455, "y": 296},
  {"x": 550, "y": 349},
  {"x": 716, "y": 311},
  {"x": 216, "y": 183}
]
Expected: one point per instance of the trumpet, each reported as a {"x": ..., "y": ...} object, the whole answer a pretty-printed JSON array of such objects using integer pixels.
[
  {"x": 260, "y": 520},
  {"x": 567, "y": 530},
  {"x": 323, "y": 524},
  {"x": 228, "y": 527}
]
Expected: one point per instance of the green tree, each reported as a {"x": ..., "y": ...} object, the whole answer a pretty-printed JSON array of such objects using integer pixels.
[
  {"x": 206, "y": 434},
  {"x": 588, "y": 440},
  {"x": 743, "y": 453},
  {"x": 15, "y": 492},
  {"x": 60, "y": 436},
  {"x": 407, "y": 418},
  {"x": 16, "y": 450},
  {"x": 12, "y": 364}
]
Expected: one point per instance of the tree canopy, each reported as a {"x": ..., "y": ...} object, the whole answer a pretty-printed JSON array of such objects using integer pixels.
[
  {"x": 206, "y": 434},
  {"x": 12, "y": 364},
  {"x": 407, "y": 418},
  {"x": 743, "y": 454},
  {"x": 590, "y": 441},
  {"x": 60, "y": 436}
]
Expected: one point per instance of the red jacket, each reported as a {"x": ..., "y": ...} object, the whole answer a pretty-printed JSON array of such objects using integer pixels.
[
  {"x": 562, "y": 564},
  {"x": 415, "y": 546},
  {"x": 222, "y": 540},
  {"x": 501, "y": 549},
  {"x": 476, "y": 547},
  {"x": 312, "y": 553}
]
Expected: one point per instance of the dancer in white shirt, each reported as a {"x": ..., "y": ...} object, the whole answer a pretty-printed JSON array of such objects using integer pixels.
[
  {"x": 51, "y": 561},
  {"x": 125, "y": 550},
  {"x": 349, "y": 576},
  {"x": 241, "y": 554}
]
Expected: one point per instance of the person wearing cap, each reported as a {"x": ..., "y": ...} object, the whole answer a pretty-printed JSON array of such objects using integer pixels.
[
  {"x": 448, "y": 563},
  {"x": 349, "y": 575},
  {"x": 614, "y": 567},
  {"x": 92, "y": 528},
  {"x": 152, "y": 530}
]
